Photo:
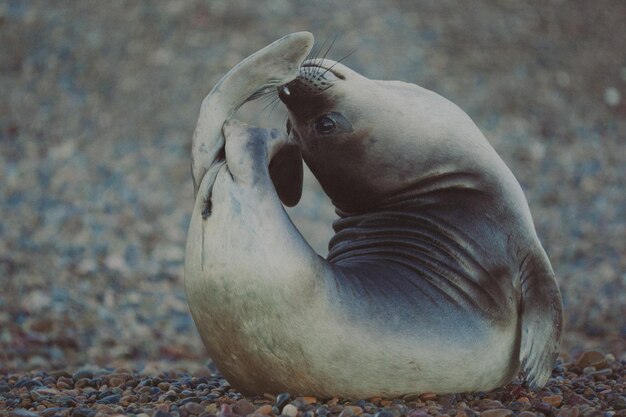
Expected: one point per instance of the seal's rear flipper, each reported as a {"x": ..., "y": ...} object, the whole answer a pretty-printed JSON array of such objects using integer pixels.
[{"x": 542, "y": 321}]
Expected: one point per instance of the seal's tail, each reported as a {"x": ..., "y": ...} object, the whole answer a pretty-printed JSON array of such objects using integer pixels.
[{"x": 542, "y": 320}]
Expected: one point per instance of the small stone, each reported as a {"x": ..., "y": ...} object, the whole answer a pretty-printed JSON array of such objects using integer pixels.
[
  {"x": 193, "y": 408},
  {"x": 568, "y": 412},
  {"x": 433, "y": 410},
  {"x": 553, "y": 400},
  {"x": 601, "y": 372},
  {"x": 82, "y": 383},
  {"x": 545, "y": 408},
  {"x": 419, "y": 413},
  {"x": 116, "y": 381},
  {"x": 383, "y": 414},
  {"x": 51, "y": 411},
  {"x": 527, "y": 414},
  {"x": 282, "y": 399},
  {"x": 411, "y": 397},
  {"x": 83, "y": 412},
  {"x": 265, "y": 409},
  {"x": 518, "y": 406},
  {"x": 243, "y": 407},
  {"x": 592, "y": 412},
  {"x": 84, "y": 373},
  {"x": 59, "y": 373},
  {"x": 21, "y": 412},
  {"x": 110, "y": 399},
  {"x": 309, "y": 400},
  {"x": 161, "y": 413},
  {"x": 28, "y": 384},
  {"x": 346, "y": 412},
  {"x": 523, "y": 400},
  {"x": 576, "y": 399},
  {"x": 589, "y": 369},
  {"x": 290, "y": 410},
  {"x": 356, "y": 410},
  {"x": 590, "y": 357},
  {"x": 322, "y": 410},
  {"x": 226, "y": 410},
  {"x": 618, "y": 402},
  {"x": 63, "y": 385},
  {"x": 496, "y": 412},
  {"x": 336, "y": 409},
  {"x": 428, "y": 396}
]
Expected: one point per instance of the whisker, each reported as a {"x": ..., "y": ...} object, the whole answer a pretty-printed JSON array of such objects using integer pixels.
[
  {"x": 327, "y": 51},
  {"x": 346, "y": 56},
  {"x": 274, "y": 107},
  {"x": 273, "y": 101}
]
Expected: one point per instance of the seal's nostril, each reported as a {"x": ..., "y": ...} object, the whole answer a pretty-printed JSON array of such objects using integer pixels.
[{"x": 283, "y": 93}]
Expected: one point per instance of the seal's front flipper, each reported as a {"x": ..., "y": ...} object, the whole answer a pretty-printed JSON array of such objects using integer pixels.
[
  {"x": 542, "y": 321},
  {"x": 287, "y": 173}
]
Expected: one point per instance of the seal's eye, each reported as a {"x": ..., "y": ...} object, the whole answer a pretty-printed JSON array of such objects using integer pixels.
[
  {"x": 325, "y": 125},
  {"x": 332, "y": 123}
]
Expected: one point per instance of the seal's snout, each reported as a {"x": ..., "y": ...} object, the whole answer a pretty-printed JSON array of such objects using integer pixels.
[{"x": 301, "y": 92}]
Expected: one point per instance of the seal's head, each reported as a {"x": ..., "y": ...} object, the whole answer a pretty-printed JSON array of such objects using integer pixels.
[{"x": 366, "y": 140}]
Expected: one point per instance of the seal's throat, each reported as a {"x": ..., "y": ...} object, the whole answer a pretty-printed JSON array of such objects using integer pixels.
[{"x": 425, "y": 234}]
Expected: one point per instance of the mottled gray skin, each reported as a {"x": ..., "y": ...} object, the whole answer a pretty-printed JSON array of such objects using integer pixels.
[{"x": 435, "y": 280}]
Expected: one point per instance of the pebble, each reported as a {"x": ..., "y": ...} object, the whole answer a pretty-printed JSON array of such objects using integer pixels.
[
  {"x": 590, "y": 357},
  {"x": 356, "y": 410},
  {"x": 83, "y": 412},
  {"x": 346, "y": 412},
  {"x": 265, "y": 409},
  {"x": 545, "y": 408},
  {"x": 110, "y": 399},
  {"x": 20, "y": 412},
  {"x": 243, "y": 407},
  {"x": 281, "y": 400},
  {"x": 419, "y": 413},
  {"x": 84, "y": 373},
  {"x": 428, "y": 396},
  {"x": 496, "y": 412},
  {"x": 195, "y": 408},
  {"x": 290, "y": 410},
  {"x": 553, "y": 400},
  {"x": 568, "y": 412}
]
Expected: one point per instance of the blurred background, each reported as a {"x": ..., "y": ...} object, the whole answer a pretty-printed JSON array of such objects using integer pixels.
[{"x": 99, "y": 101}]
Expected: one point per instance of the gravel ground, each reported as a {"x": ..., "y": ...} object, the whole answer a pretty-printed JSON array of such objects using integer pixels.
[
  {"x": 595, "y": 382},
  {"x": 99, "y": 101}
]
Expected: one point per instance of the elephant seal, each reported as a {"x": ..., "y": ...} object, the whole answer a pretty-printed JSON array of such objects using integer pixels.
[{"x": 435, "y": 279}]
